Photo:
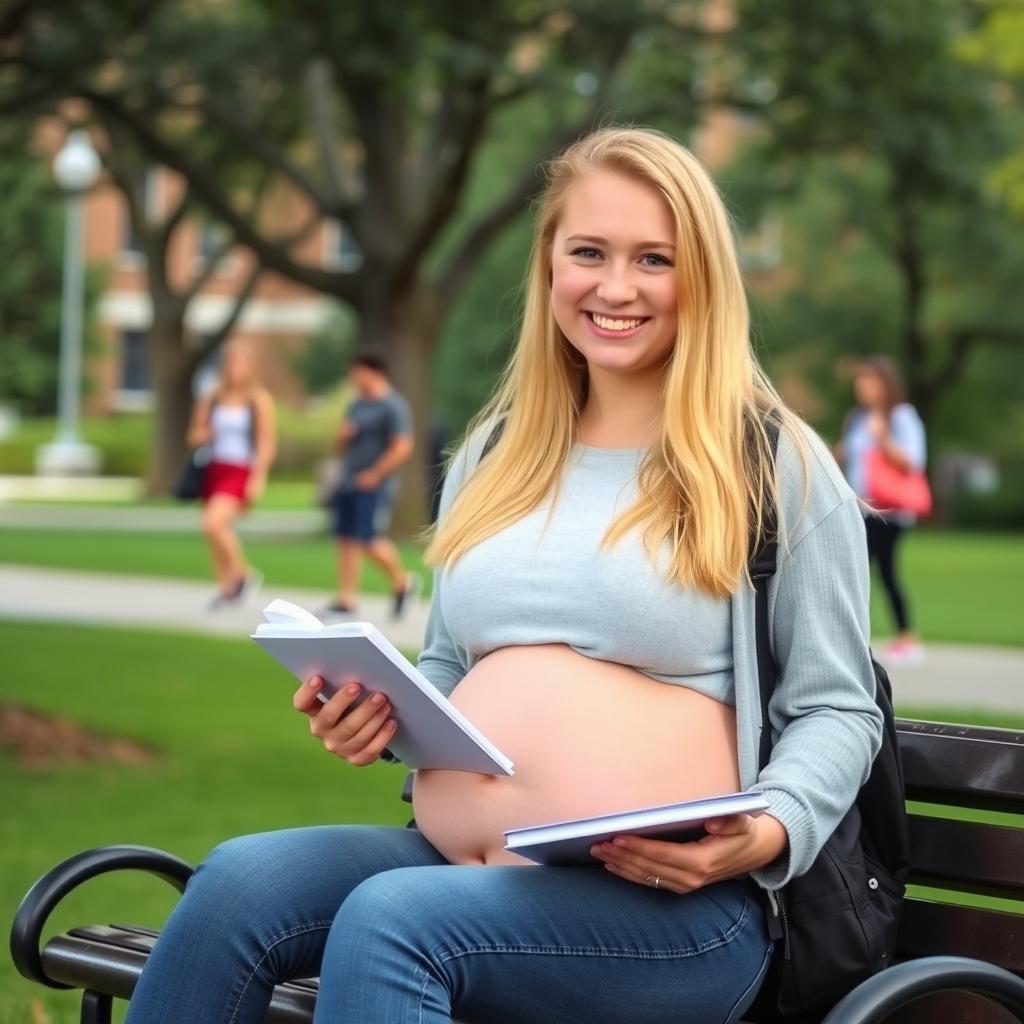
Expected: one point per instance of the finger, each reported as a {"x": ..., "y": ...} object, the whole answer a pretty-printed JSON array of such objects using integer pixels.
[
  {"x": 354, "y": 742},
  {"x": 375, "y": 747},
  {"x": 731, "y": 825},
  {"x": 686, "y": 872},
  {"x": 355, "y": 719},
  {"x": 307, "y": 697},
  {"x": 666, "y": 882},
  {"x": 340, "y": 702}
]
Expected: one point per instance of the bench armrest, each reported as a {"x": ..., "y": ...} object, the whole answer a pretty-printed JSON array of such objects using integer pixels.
[
  {"x": 43, "y": 897},
  {"x": 880, "y": 995}
]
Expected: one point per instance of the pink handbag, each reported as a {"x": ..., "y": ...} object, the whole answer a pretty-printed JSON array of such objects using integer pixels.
[{"x": 893, "y": 489}]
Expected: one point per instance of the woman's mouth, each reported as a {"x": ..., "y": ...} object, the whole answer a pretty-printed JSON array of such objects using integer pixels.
[{"x": 615, "y": 326}]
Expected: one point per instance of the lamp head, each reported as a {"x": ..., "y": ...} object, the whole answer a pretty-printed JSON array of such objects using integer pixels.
[{"x": 77, "y": 165}]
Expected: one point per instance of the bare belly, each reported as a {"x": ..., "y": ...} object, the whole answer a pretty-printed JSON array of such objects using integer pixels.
[{"x": 586, "y": 737}]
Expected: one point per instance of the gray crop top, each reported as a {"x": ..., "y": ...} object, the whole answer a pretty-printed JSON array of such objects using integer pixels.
[{"x": 545, "y": 580}]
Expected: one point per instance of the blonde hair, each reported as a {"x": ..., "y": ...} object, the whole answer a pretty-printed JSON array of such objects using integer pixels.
[{"x": 702, "y": 487}]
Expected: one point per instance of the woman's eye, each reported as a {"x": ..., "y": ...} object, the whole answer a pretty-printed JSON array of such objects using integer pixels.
[
  {"x": 585, "y": 252},
  {"x": 659, "y": 260}
]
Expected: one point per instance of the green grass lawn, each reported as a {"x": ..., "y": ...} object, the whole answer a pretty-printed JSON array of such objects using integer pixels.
[
  {"x": 286, "y": 561},
  {"x": 232, "y": 757},
  {"x": 280, "y": 495},
  {"x": 964, "y": 588}
]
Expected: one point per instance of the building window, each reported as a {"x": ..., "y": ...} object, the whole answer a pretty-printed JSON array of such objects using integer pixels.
[
  {"x": 212, "y": 237},
  {"x": 146, "y": 185},
  {"x": 341, "y": 251},
  {"x": 134, "y": 364}
]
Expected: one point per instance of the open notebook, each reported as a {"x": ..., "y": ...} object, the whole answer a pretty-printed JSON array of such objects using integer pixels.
[
  {"x": 569, "y": 842},
  {"x": 432, "y": 732}
]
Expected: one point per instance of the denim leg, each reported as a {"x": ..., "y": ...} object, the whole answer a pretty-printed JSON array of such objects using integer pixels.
[
  {"x": 534, "y": 945},
  {"x": 257, "y": 911}
]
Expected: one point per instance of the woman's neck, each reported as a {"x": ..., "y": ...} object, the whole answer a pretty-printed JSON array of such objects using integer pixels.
[{"x": 621, "y": 411}]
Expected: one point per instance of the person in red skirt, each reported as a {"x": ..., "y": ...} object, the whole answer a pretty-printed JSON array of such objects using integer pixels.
[{"x": 237, "y": 421}]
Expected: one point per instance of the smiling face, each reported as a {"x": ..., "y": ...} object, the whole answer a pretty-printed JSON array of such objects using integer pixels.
[{"x": 613, "y": 277}]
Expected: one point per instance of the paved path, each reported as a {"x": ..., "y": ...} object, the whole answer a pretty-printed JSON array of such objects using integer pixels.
[
  {"x": 56, "y": 594},
  {"x": 952, "y": 676}
]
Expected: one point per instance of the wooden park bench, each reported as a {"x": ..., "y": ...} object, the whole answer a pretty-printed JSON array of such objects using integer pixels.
[{"x": 954, "y": 767}]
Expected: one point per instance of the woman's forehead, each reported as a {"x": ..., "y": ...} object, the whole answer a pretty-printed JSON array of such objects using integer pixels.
[{"x": 619, "y": 209}]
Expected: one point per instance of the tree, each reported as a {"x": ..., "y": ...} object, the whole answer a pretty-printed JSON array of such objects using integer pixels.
[
  {"x": 911, "y": 130},
  {"x": 374, "y": 113}
]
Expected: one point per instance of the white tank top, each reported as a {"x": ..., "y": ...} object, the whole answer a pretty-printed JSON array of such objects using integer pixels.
[{"x": 232, "y": 428}]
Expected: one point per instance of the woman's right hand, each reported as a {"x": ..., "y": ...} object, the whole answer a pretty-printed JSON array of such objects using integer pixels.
[{"x": 358, "y": 734}]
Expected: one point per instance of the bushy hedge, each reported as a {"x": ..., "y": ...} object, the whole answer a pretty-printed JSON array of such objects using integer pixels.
[{"x": 124, "y": 441}]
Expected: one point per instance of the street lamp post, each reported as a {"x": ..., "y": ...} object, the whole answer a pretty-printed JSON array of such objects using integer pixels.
[{"x": 76, "y": 168}]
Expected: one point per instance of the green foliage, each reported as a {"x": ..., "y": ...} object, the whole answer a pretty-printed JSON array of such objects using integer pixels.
[
  {"x": 875, "y": 159},
  {"x": 323, "y": 361}
]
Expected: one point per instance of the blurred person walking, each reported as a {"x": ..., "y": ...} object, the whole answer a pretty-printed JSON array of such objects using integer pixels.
[
  {"x": 237, "y": 421},
  {"x": 882, "y": 431},
  {"x": 374, "y": 439}
]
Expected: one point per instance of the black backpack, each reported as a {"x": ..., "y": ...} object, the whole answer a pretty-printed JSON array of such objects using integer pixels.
[{"x": 837, "y": 923}]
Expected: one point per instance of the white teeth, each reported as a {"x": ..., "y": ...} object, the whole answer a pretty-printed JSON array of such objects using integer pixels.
[{"x": 614, "y": 325}]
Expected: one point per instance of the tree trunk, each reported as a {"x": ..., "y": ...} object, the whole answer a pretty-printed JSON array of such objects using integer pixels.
[
  {"x": 171, "y": 367},
  {"x": 406, "y": 326}
]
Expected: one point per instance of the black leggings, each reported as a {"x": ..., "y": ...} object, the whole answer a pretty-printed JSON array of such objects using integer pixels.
[{"x": 883, "y": 535}]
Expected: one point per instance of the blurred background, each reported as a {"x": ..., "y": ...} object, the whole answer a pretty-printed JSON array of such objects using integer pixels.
[{"x": 313, "y": 176}]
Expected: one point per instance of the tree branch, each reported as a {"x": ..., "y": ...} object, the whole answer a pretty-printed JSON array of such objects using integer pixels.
[
  {"x": 454, "y": 273},
  {"x": 962, "y": 341},
  {"x": 257, "y": 144},
  {"x": 213, "y": 198},
  {"x": 242, "y": 296}
]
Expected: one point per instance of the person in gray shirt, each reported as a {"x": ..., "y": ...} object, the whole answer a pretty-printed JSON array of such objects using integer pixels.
[{"x": 375, "y": 439}]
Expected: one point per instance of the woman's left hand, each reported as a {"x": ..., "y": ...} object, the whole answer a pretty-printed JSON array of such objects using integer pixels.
[{"x": 734, "y": 845}]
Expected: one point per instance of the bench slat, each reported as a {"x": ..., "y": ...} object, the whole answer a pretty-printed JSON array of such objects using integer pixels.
[
  {"x": 968, "y": 766},
  {"x": 107, "y": 959},
  {"x": 968, "y": 856},
  {"x": 934, "y": 929}
]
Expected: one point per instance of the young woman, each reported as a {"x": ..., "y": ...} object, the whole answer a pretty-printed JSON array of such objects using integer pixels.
[
  {"x": 592, "y": 616},
  {"x": 237, "y": 421},
  {"x": 883, "y": 420}
]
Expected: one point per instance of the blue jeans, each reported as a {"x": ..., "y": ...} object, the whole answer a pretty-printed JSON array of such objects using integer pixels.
[{"x": 400, "y": 936}]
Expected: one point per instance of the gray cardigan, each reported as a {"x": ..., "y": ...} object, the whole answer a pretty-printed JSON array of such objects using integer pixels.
[{"x": 825, "y": 724}]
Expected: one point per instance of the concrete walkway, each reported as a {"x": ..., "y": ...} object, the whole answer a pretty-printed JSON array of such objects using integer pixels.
[{"x": 952, "y": 676}]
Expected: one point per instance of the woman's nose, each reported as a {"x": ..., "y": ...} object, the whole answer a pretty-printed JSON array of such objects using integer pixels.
[{"x": 616, "y": 287}]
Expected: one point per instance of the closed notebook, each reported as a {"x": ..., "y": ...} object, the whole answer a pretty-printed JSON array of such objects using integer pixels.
[
  {"x": 432, "y": 732},
  {"x": 569, "y": 842}
]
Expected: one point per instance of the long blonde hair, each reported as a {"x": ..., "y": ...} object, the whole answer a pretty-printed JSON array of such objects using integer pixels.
[{"x": 702, "y": 487}]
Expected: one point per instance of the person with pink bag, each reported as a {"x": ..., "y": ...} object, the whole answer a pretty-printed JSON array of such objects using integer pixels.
[{"x": 883, "y": 452}]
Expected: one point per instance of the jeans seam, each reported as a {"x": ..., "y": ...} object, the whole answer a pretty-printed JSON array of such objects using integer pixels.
[
  {"x": 290, "y": 933},
  {"x": 608, "y": 952},
  {"x": 759, "y": 976}
]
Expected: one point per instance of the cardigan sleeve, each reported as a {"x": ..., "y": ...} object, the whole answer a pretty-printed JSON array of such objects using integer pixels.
[{"x": 825, "y": 722}]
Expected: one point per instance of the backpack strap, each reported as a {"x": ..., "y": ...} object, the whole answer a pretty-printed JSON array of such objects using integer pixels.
[
  {"x": 492, "y": 439},
  {"x": 763, "y": 560}
]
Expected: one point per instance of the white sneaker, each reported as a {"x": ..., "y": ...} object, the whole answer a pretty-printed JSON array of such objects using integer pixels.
[{"x": 904, "y": 652}]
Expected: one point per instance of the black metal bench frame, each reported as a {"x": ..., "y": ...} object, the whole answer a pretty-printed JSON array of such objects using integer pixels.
[{"x": 948, "y": 955}]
